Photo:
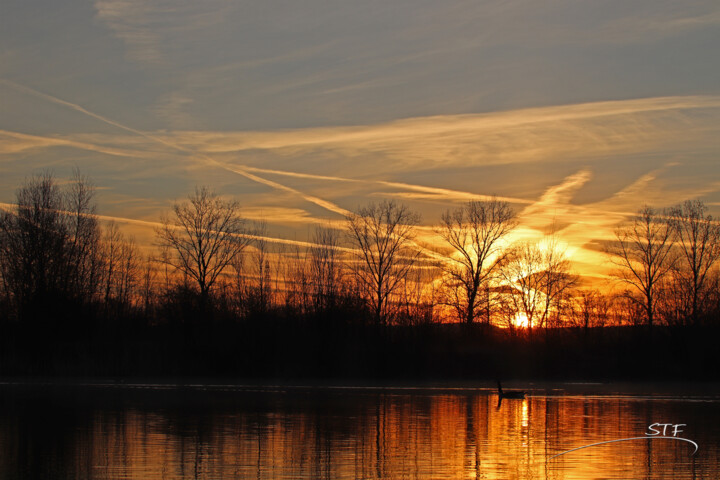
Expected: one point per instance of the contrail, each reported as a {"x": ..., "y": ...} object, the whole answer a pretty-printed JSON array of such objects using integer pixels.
[
  {"x": 36, "y": 141},
  {"x": 84, "y": 111},
  {"x": 406, "y": 186},
  {"x": 147, "y": 223},
  {"x": 250, "y": 236},
  {"x": 309, "y": 176},
  {"x": 244, "y": 170},
  {"x": 318, "y": 201},
  {"x": 9, "y": 207},
  {"x": 310, "y": 198},
  {"x": 452, "y": 193}
]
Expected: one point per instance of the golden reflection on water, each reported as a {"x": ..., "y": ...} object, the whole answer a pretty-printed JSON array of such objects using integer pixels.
[{"x": 374, "y": 436}]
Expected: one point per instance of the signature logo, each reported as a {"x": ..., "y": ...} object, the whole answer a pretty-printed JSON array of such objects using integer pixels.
[{"x": 654, "y": 433}]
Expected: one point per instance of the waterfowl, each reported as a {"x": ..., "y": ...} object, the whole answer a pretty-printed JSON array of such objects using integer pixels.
[{"x": 509, "y": 393}]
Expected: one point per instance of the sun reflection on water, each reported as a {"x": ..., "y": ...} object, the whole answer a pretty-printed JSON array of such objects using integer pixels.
[{"x": 361, "y": 435}]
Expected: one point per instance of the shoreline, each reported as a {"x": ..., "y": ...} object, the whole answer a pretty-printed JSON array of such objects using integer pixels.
[{"x": 544, "y": 388}]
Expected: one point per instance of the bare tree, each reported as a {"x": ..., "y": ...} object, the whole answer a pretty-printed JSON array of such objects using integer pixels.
[
  {"x": 524, "y": 274},
  {"x": 698, "y": 239},
  {"x": 148, "y": 290},
  {"x": 593, "y": 309},
  {"x": 383, "y": 234},
  {"x": 643, "y": 253},
  {"x": 203, "y": 238},
  {"x": 240, "y": 287},
  {"x": 84, "y": 236},
  {"x": 261, "y": 296},
  {"x": 48, "y": 244},
  {"x": 539, "y": 278},
  {"x": 418, "y": 295},
  {"x": 34, "y": 238},
  {"x": 475, "y": 233},
  {"x": 122, "y": 267},
  {"x": 325, "y": 271},
  {"x": 112, "y": 243},
  {"x": 559, "y": 280},
  {"x": 625, "y": 309}
]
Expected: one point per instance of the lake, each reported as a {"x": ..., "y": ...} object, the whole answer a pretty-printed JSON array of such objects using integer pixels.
[{"x": 143, "y": 431}]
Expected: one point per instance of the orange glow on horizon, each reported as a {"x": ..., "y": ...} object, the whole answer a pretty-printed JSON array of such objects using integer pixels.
[{"x": 521, "y": 320}]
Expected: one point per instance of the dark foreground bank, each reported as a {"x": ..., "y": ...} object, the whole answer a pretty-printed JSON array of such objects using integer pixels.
[{"x": 285, "y": 351}]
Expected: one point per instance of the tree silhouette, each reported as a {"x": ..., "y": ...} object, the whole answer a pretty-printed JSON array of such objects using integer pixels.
[
  {"x": 49, "y": 245},
  {"x": 203, "y": 237},
  {"x": 474, "y": 232},
  {"x": 698, "y": 241},
  {"x": 591, "y": 309},
  {"x": 383, "y": 235},
  {"x": 539, "y": 277},
  {"x": 85, "y": 236},
  {"x": 643, "y": 253},
  {"x": 261, "y": 293},
  {"x": 325, "y": 268},
  {"x": 121, "y": 268}
]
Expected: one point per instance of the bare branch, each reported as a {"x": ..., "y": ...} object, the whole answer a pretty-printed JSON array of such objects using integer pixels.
[
  {"x": 204, "y": 237},
  {"x": 643, "y": 252},
  {"x": 475, "y": 233},
  {"x": 384, "y": 236}
]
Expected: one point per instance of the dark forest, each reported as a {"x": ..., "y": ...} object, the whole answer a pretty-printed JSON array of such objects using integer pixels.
[{"x": 214, "y": 298}]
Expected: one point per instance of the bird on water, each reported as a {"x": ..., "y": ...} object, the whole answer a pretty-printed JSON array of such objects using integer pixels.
[{"x": 509, "y": 393}]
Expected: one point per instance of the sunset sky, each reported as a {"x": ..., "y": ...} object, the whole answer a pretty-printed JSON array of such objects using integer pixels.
[{"x": 577, "y": 112}]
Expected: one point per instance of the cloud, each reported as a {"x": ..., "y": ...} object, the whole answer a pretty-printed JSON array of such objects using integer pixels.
[
  {"x": 149, "y": 29},
  {"x": 660, "y": 24},
  {"x": 205, "y": 159},
  {"x": 172, "y": 109},
  {"x": 421, "y": 131},
  {"x": 561, "y": 194},
  {"x": 258, "y": 65},
  {"x": 553, "y": 206},
  {"x": 129, "y": 20},
  {"x": 565, "y": 148},
  {"x": 573, "y": 133},
  {"x": 15, "y": 142},
  {"x": 423, "y": 192},
  {"x": 310, "y": 198},
  {"x": 78, "y": 108},
  {"x": 152, "y": 226}
]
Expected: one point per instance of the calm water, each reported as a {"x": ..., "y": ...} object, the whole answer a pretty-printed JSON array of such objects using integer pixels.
[{"x": 209, "y": 433}]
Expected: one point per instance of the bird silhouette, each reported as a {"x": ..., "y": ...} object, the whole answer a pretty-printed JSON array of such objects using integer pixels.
[{"x": 509, "y": 393}]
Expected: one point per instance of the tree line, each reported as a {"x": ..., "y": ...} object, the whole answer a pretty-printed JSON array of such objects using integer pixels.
[{"x": 57, "y": 261}]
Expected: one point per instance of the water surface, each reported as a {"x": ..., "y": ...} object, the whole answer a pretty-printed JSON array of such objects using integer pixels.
[{"x": 210, "y": 432}]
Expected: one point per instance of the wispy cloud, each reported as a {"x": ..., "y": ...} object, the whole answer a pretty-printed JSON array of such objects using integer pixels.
[
  {"x": 554, "y": 204},
  {"x": 208, "y": 161},
  {"x": 660, "y": 24},
  {"x": 425, "y": 130},
  {"x": 151, "y": 226},
  {"x": 15, "y": 142},
  {"x": 172, "y": 109},
  {"x": 148, "y": 29},
  {"x": 78, "y": 108},
  {"x": 129, "y": 20},
  {"x": 420, "y": 191},
  {"x": 560, "y": 194},
  {"x": 310, "y": 198},
  {"x": 386, "y": 159}
]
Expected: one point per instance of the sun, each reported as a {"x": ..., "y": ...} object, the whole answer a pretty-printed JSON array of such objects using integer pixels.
[{"x": 521, "y": 320}]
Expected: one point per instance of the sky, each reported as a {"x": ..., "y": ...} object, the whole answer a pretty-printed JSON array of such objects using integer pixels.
[{"x": 577, "y": 112}]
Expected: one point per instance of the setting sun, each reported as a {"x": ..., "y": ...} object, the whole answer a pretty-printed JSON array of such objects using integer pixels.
[{"x": 520, "y": 320}]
